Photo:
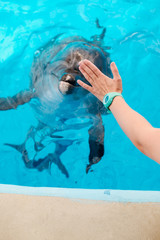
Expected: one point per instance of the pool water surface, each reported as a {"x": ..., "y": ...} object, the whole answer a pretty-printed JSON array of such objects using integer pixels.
[{"x": 133, "y": 35}]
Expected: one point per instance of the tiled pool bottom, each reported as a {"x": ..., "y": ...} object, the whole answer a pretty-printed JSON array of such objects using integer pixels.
[{"x": 108, "y": 195}]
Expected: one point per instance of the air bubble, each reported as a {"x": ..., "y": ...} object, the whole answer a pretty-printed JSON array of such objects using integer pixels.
[{"x": 37, "y": 53}]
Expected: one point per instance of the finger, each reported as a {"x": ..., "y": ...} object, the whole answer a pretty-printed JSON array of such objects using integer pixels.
[
  {"x": 114, "y": 70},
  {"x": 88, "y": 71},
  {"x": 84, "y": 85},
  {"x": 92, "y": 67},
  {"x": 86, "y": 75}
]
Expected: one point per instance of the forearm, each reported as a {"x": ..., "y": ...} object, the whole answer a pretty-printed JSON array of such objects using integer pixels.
[{"x": 133, "y": 124}]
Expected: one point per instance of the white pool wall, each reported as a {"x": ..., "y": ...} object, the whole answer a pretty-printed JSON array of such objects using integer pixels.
[{"x": 109, "y": 195}]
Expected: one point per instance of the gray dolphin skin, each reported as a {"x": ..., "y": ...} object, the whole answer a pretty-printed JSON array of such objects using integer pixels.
[{"x": 56, "y": 97}]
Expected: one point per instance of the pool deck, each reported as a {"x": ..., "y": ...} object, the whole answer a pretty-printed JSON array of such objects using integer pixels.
[
  {"x": 36, "y": 217},
  {"x": 47, "y": 218}
]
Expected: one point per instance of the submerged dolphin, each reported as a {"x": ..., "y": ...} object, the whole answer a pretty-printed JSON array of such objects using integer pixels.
[{"x": 56, "y": 97}]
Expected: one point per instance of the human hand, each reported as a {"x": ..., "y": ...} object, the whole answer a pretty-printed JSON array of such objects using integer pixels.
[{"x": 100, "y": 83}]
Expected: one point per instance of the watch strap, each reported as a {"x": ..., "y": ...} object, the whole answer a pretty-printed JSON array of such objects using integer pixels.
[{"x": 108, "y": 99}]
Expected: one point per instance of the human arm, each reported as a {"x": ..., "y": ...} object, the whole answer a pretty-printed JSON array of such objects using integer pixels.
[
  {"x": 145, "y": 137},
  {"x": 137, "y": 128}
]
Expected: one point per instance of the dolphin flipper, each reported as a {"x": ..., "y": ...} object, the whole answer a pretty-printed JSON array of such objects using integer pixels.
[
  {"x": 96, "y": 142},
  {"x": 18, "y": 99}
]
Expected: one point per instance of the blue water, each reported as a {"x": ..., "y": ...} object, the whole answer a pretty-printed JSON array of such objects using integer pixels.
[{"x": 133, "y": 33}]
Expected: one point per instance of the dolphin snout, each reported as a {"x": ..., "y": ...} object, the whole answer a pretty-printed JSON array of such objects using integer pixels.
[{"x": 67, "y": 84}]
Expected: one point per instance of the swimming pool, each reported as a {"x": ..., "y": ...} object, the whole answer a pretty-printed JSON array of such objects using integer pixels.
[{"x": 133, "y": 34}]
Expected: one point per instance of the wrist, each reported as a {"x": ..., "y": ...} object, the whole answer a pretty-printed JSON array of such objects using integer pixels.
[
  {"x": 115, "y": 103},
  {"x": 108, "y": 99}
]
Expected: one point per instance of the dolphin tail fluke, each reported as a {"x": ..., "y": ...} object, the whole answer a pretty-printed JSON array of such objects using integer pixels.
[
  {"x": 98, "y": 38},
  {"x": 102, "y": 35},
  {"x": 97, "y": 23},
  {"x": 18, "y": 99}
]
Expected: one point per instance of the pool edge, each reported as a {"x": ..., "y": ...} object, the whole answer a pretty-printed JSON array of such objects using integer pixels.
[{"x": 109, "y": 195}]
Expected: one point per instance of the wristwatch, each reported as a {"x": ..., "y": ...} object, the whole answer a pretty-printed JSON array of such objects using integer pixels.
[{"x": 108, "y": 99}]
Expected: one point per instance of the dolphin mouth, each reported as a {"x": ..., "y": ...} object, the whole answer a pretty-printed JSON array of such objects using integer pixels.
[
  {"x": 69, "y": 82},
  {"x": 66, "y": 87}
]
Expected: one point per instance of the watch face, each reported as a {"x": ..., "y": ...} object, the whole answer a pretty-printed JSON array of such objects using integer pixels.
[{"x": 106, "y": 99}]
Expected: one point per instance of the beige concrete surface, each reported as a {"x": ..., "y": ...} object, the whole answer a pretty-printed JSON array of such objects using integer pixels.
[{"x": 50, "y": 218}]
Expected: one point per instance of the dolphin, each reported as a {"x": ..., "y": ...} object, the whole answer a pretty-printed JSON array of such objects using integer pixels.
[{"x": 56, "y": 97}]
